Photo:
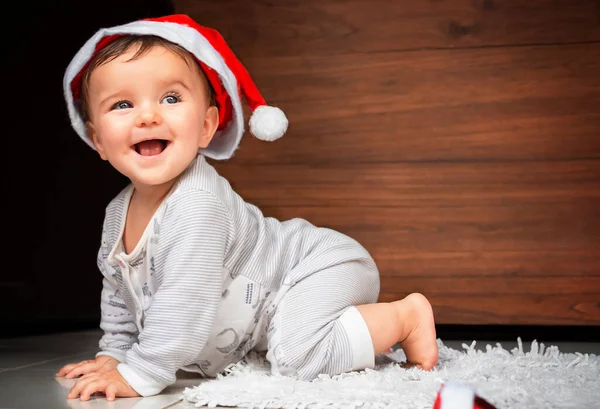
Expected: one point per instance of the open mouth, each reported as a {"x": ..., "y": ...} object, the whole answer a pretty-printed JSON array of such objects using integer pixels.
[{"x": 151, "y": 147}]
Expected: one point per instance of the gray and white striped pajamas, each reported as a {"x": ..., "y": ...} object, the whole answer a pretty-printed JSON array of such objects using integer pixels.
[{"x": 212, "y": 278}]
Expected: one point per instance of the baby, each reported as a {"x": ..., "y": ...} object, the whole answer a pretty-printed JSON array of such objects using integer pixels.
[{"x": 193, "y": 276}]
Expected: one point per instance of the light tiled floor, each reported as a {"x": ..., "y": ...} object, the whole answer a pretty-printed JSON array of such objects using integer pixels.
[{"x": 28, "y": 365}]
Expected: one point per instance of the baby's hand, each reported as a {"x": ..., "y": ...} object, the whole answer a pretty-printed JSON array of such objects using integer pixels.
[
  {"x": 111, "y": 383},
  {"x": 99, "y": 365}
]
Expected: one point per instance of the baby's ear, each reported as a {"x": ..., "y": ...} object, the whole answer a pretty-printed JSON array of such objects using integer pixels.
[
  {"x": 93, "y": 135},
  {"x": 211, "y": 123}
]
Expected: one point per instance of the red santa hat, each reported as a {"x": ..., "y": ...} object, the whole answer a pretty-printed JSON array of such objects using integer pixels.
[
  {"x": 455, "y": 396},
  {"x": 226, "y": 74}
]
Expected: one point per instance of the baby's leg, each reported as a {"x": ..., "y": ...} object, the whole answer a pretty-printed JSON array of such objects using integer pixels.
[
  {"x": 409, "y": 322},
  {"x": 317, "y": 330}
]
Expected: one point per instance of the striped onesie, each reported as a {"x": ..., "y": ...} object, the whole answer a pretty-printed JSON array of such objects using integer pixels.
[{"x": 211, "y": 278}]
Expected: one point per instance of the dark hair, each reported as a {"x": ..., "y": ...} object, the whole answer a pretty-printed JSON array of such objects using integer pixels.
[{"x": 121, "y": 45}]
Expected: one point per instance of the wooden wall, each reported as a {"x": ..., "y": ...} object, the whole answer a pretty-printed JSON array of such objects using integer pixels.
[{"x": 458, "y": 140}]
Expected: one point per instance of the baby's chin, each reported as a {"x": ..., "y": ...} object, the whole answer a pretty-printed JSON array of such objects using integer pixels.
[{"x": 157, "y": 177}]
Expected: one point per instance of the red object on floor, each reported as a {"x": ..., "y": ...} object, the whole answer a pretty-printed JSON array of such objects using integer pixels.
[{"x": 455, "y": 396}]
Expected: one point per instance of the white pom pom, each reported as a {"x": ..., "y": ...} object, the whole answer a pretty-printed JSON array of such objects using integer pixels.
[{"x": 268, "y": 123}]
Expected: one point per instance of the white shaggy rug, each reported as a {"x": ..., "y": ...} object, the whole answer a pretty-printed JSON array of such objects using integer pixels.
[{"x": 539, "y": 378}]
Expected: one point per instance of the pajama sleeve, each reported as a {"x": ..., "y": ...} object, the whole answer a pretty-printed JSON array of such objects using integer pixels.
[
  {"x": 190, "y": 256},
  {"x": 120, "y": 331},
  {"x": 117, "y": 322}
]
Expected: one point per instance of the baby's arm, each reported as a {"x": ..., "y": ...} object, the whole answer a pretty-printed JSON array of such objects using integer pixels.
[
  {"x": 120, "y": 332},
  {"x": 192, "y": 244}
]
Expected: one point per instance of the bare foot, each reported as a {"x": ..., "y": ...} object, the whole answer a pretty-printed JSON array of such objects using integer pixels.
[{"x": 419, "y": 344}]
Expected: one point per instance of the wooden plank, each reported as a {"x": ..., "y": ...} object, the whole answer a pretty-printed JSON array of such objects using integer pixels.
[
  {"x": 501, "y": 300},
  {"x": 488, "y": 243},
  {"x": 520, "y": 309},
  {"x": 483, "y": 264},
  {"x": 497, "y": 104},
  {"x": 531, "y": 287},
  {"x": 416, "y": 184},
  {"x": 493, "y": 300},
  {"x": 457, "y": 140},
  {"x": 530, "y": 239},
  {"x": 271, "y": 28}
]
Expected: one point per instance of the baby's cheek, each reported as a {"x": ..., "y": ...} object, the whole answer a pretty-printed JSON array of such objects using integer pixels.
[
  {"x": 184, "y": 120},
  {"x": 108, "y": 126}
]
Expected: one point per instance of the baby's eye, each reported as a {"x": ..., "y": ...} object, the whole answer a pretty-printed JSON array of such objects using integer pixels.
[
  {"x": 122, "y": 105},
  {"x": 170, "y": 99}
]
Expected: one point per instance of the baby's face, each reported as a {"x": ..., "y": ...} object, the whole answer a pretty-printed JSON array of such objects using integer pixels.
[{"x": 149, "y": 116}]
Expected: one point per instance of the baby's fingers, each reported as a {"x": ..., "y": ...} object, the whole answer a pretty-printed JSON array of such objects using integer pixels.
[
  {"x": 69, "y": 367},
  {"x": 89, "y": 374},
  {"x": 111, "y": 391},
  {"x": 82, "y": 369},
  {"x": 79, "y": 387},
  {"x": 66, "y": 369},
  {"x": 99, "y": 385}
]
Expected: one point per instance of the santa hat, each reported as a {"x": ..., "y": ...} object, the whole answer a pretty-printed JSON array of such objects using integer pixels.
[
  {"x": 455, "y": 396},
  {"x": 224, "y": 71}
]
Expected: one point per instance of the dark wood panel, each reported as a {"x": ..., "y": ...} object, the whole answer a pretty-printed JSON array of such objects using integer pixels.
[
  {"x": 271, "y": 28},
  {"x": 509, "y": 227},
  {"x": 453, "y": 238},
  {"x": 520, "y": 309},
  {"x": 435, "y": 184},
  {"x": 493, "y": 300},
  {"x": 531, "y": 287},
  {"x": 480, "y": 264},
  {"x": 526, "y": 103},
  {"x": 458, "y": 232},
  {"x": 457, "y": 140}
]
